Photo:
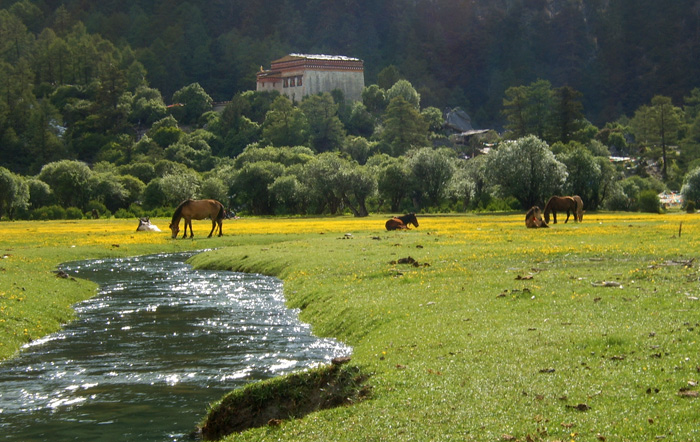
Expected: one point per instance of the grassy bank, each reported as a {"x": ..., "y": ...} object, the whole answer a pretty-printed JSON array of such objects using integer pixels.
[{"x": 578, "y": 332}]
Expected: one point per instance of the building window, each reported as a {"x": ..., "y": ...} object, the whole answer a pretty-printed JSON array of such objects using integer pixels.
[
  {"x": 286, "y": 82},
  {"x": 299, "y": 81},
  {"x": 291, "y": 82}
]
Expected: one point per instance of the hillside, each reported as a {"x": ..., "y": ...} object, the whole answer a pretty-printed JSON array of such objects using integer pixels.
[{"x": 457, "y": 53}]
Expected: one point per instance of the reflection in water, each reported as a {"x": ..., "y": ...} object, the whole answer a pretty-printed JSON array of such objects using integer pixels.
[{"x": 146, "y": 356}]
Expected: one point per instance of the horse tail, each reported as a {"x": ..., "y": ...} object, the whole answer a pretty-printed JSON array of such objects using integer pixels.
[{"x": 222, "y": 212}]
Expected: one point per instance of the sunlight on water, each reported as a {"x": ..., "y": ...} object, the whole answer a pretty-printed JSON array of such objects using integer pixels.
[{"x": 147, "y": 355}]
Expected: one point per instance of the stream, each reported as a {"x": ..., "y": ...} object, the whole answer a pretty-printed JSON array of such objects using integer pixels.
[{"x": 147, "y": 355}]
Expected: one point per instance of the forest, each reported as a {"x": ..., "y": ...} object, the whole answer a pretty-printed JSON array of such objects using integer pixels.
[{"x": 113, "y": 106}]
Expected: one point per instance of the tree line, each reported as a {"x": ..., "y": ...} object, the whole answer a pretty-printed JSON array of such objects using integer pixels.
[{"x": 81, "y": 128}]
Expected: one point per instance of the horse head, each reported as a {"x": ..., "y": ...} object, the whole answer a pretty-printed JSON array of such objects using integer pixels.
[
  {"x": 146, "y": 226},
  {"x": 409, "y": 218},
  {"x": 533, "y": 218},
  {"x": 175, "y": 228}
]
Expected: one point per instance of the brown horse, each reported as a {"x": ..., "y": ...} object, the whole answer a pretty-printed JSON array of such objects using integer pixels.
[
  {"x": 197, "y": 209},
  {"x": 579, "y": 208},
  {"x": 533, "y": 218},
  {"x": 560, "y": 203},
  {"x": 401, "y": 222}
]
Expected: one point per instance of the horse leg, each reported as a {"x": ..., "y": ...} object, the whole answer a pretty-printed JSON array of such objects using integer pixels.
[
  {"x": 554, "y": 216},
  {"x": 184, "y": 223},
  {"x": 567, "y": 217},
  {"x": 220, "y": 222},
  {"x": 213, "y": 226}
]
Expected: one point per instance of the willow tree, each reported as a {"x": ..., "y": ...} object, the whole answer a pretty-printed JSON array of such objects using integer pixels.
[{"x": 527, "y": 170}]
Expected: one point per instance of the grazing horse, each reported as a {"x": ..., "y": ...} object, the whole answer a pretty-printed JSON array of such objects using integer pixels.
[
  {"x": 533, "y": 218},
  {"x": 560, "y": 203},
  {"x": 146, "y": 226},
  {"x": 401, "y": 222},
  {"x": 197, "y": 209},
  {"x": 579, "y": 208}
]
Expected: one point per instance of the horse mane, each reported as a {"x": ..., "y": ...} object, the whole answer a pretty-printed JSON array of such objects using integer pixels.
[
  {"x": 178, "y": 211},
  {"x": 404, "y": 218},
  {"x": 548, "y": 206}
]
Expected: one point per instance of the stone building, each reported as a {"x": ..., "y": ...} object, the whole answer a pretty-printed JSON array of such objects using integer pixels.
[{"x": 299, "y": 75}]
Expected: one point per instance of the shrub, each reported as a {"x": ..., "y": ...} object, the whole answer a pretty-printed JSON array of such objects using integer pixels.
[
  {"x": 690, "y": 207},
  {"x": 101, "y": 209},
  {"x": 49, "y": 212},
  {"x": 74, "y": 213},
  {"x": 124, "y": 214},
  {"x": 649, "y": 201}
]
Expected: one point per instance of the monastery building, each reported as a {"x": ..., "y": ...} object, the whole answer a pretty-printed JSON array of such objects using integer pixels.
[{"x": 299, "y": 75}]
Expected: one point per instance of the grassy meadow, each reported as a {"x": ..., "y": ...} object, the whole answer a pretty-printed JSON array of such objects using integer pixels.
[{"x": 579, "y": 332}]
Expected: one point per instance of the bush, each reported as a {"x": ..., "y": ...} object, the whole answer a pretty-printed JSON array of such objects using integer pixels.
[
  {"x": 124, "y": 214},
  {"x": 649, "y": 201},
  {"x": 502, "y": 205},
  {"x": 690, "y": 207},
  {"x": 101, "y": 209},
  {"x": 48, "y": 212},
  {"x": 618, "y": 201},
  {"x": 74, "y": 213},
  {"x": 136, "y": 209}
]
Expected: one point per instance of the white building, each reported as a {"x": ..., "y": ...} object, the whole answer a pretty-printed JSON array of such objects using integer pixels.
[{"x": 299, "y": 75}]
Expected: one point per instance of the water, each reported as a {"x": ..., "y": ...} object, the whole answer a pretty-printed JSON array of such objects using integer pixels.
[{"x": 147, "y": 355}]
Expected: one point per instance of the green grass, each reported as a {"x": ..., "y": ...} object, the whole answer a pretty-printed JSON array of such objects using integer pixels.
[{"x": 578, "y": 332}]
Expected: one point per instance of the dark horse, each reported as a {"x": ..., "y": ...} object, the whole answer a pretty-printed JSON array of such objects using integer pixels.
[
  {"x": 561, "y": 203},
  {"x": 401, "y": 222},
  {"x": 197, "y": 209},
  {"x": 533, "y": 218}
]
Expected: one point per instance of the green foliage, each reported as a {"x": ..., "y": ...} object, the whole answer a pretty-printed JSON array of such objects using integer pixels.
[
  {"x": 405, "y": 90},
  {"x": 251, "y": 186},
  {"x": 289, "y": 194},
  {"x": 40, "y": 193},
  {"x": 102, "y": 210},
  {"x": 395, "y": 182},
  {"x": 691, "y": 187},
  {"x": 649, "y": 201},
  {"x": 14, "y": 193},
  {"x": 431, "y": 171},
  {"x": 179, "y": 186},
  {"x": 374, "y": 99},
  {"x": 326, "y": 132},
  {"x": 49, "y": 212},
  {"x": 285, "y": 125},
  {"x": 214, "y": 188},
  {"x": 74, "y": 213},
  {"x": 388, "y": 77},
  {"x": 69, "y": 181},
  {"x": 526, "y": 169},
  {"x": 404, "y": 127},
  {"x": 192, "y": 101},
  {"x": 358, "y": 148},
  {"x": 584, "y": 175}
]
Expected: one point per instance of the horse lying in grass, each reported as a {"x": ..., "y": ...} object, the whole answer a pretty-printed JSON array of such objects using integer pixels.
[
  {"x": 401, "y": 222},
  {"x": 562, "y": 203},
  {"x": 146, "y": 226},
  {"x": 197, "y": 209},
  {"x": 533, "y": 218}
]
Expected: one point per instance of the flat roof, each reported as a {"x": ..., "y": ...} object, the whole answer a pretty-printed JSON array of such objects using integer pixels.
[{"x": 317, "y": 57}]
